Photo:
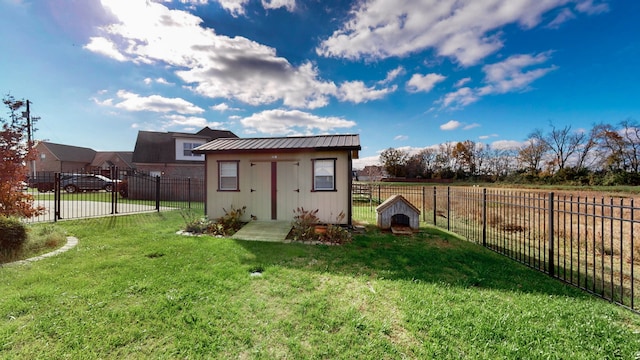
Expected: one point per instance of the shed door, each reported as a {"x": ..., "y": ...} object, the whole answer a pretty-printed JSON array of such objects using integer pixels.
[
  {"x": 261, "y": 190},
  {"x": 288, "y": 189},
  {"x": 274, "y": 190}
]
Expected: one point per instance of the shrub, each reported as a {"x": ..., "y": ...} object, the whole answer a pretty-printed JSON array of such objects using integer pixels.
[
  {"x": 303, "y": 225},
  {"x": 193, "y": 223},
  {"x": 229, "y": 223},
  {"x": 13, "y": 234},
  {"x": 335, "y": 233}
]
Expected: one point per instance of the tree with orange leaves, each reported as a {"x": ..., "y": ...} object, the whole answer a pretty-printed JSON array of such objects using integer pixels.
[{"x": 15, "y": 153}]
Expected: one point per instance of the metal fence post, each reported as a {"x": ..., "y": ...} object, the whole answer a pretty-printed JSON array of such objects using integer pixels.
[
  {"x": 448, "y": 208},
  {"x": 189, "y": 192},
  {"x": 552, "y": 266},
  {"x": 158, "y": 193},
  {"x": 424, "y": 205},
  {"x": 114, "y": 190},
  {"x": 435, "y": 196},
  {"x": 484, "y": 217},
  {"x": 56, "y": 197}
]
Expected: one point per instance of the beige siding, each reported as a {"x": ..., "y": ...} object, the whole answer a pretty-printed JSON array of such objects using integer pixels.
[{"x": 294, "y": 172}]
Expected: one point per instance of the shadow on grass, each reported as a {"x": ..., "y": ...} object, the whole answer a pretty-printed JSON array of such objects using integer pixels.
[{"x": 431, "y": 256}]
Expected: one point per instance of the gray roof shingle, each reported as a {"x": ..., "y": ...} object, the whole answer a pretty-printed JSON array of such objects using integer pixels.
[
  {"x": 293, "y": 143},
  {"x": 159, "y": 147},
  {"x": 70, "y": 153}
]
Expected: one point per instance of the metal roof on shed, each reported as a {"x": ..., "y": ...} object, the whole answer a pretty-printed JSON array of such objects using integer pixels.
[{"x": 318, "y": 142}]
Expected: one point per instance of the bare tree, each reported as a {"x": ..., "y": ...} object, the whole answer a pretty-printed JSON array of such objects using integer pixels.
[
  {"x": 587, "y": 144},
  {"x": 630, "y": 133},
  {"x": 429, "y": 161},
  {"x": 531, "y": 154},
  {"x": 610, "y": 147}
]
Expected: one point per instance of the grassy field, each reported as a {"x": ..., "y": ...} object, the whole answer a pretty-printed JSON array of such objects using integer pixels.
[{"x": 134, "y": 289}]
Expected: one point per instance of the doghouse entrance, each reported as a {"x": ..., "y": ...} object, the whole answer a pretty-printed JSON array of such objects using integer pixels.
[
  {"x": 396, "y": 213},
  {"x": 400, "y": 220}
]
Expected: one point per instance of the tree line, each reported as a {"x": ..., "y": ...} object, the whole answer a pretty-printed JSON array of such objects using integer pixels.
[{"x": 604, "y": 155}]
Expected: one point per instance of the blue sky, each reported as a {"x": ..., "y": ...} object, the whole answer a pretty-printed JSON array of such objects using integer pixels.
[{"x": 403, "y": 74}]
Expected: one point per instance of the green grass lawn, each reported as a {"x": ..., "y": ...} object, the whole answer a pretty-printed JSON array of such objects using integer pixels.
[{"x": 134, "y": 289}]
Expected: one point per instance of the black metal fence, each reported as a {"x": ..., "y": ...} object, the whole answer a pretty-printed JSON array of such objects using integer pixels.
[
  {"x": 588, "y": 242},
  {"x": 76, "y": 195}
]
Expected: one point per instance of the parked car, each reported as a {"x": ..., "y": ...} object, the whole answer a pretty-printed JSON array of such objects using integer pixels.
[
  {"x": 43, "y": 181},
  {"x": 72, "y": 183}
]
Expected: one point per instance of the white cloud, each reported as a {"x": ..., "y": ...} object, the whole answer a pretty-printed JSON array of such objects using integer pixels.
[
  {"x": 450, "y": 125},
  {"x": 506, "y": 145},
  {"x": 423, "y": 83},
  {"x": 471, "y": 126},
  {"x": 155, "y": 103},
  {"x": 193, "y": 122},
  {"x": 509, "y": 75},
  {"x": 392, "y": 75},
  {"x": 588, "y": 6},
  {"x": 356, "y": 92},
  {"x": 213, "y": 65},
  {"x": 222, "y": 107},
  {"x": 105, "y": 47},
  {"x": 163, "y": 81},
  {"x": 288, "y": 122},
  {"x": 462, "y": 82},
  {"x": 400, "y": 137},
  {"x": 459, "y": 98},
  {"x": 485, "y": 137},
  {"x": 359, "y": 164},
  {"x": 234, "y": 7},
  {"x": 290, "y": 5},
  {"x": 466, "y": 31},
  {"x": 564, "y": 16}
]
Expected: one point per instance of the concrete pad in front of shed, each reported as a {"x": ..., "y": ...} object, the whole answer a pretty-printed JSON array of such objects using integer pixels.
[{"x": 275, "y": 231}]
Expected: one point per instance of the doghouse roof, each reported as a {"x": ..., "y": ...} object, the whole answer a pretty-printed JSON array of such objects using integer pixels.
[
  {"x": 350, "y": 142},
  {"x": 394, "y": 199}
]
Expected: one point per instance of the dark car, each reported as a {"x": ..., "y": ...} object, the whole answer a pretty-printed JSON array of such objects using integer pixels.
[{"x": 72, "y": 183}]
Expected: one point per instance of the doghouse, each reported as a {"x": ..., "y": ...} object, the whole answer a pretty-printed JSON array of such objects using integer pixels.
[{"x": 397, "y": 211}]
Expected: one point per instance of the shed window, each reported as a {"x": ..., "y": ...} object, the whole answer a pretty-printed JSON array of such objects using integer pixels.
[
  {"x": 324, "y": 171},
  {"x": 228, "y": 179}
]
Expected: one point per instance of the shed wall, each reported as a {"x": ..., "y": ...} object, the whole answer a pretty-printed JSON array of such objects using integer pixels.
[{"x": 294, "y": 186}]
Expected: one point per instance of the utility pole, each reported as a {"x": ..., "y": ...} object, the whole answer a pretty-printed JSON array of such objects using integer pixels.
[{"x": 30, "y": 131}]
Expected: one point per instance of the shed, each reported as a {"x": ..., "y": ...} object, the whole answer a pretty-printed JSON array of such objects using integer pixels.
[
  {"x": 397, "y": 211},
  {"x": 274, "y": 176}
]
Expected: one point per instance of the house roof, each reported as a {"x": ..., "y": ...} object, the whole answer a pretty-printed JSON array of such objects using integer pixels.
[
  {"x": 70, "y": 153},
  {"x": 111, "y": 158},
  {"x": 394, "y": 199},
  {"x": 294, "y": 143},
  {"x": 159, "y": 147}
]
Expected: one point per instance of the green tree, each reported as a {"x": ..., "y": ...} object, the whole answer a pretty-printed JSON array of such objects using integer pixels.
[{"x": 394, "y": 161}]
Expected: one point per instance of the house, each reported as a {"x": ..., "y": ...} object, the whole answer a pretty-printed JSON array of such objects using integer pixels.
[
  {"x": 104, "y": 161},
  {"x": 273, "y": 177},
  {"x": 371, "y": 173},
  {"x": 169, "y": 153},
  {"x": 63, "y": 158}
]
